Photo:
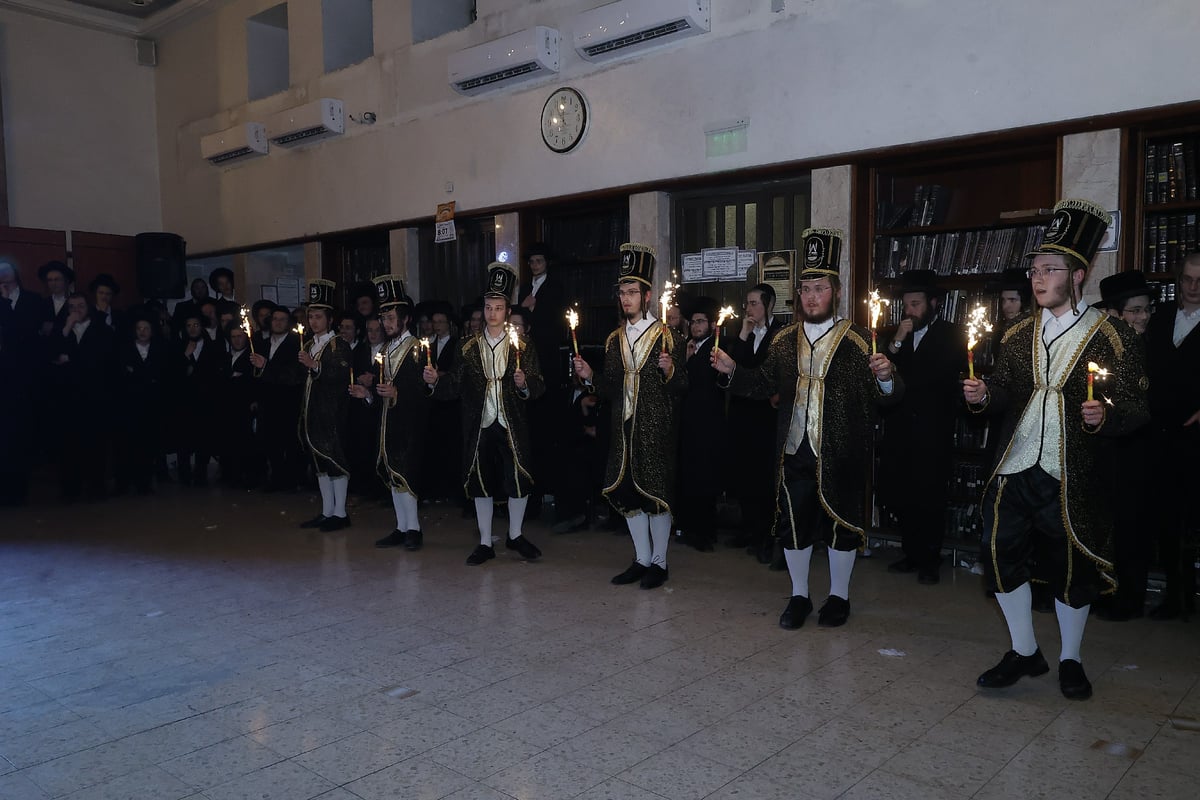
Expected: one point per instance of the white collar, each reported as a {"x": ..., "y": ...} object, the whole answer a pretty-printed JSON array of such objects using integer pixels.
[
  {"x": 276, "y": 338},
  {"x": 493, "y": 342},
  {"x": 815, "y": 330},
  {"x": 539, "y": 280},
  {"x": 764, "y": 327},
  {"x": 80, "y": 327},
  {"x": 1189, "y": 314},
  {"x": 321, "y": 339},
  {"x": 700, "y": 343},
  {"x": 636, "y": 329}
]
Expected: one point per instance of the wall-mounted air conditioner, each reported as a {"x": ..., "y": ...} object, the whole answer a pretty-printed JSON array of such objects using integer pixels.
[
  {"x": 526, "y": 55},
  {"x": 239, "y": 141},
  {"x": 629, "y": 26},
  {"x": 306, "y": 123}
]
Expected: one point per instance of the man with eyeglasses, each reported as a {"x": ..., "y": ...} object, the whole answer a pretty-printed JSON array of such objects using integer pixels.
[
  {"x": 752, "y": 422},
  {"x": 702, "y": 432},
  {"x": 642, "y": 379},
  {"x": 1173, "y": 355},
  {"x": 1050, "y": 491},
  {"x": 829, "y": 384}
]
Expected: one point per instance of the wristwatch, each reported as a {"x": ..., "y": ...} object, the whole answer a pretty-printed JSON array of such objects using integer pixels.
[{"x": 894, "y": 346}]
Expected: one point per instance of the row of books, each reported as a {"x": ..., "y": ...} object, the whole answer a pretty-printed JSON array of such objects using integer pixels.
[
  {"x": 1169, "y": 237},
  {"x": 1170, "y": 171},
  {"x": 964, "y": 521},
  {"x": 956, "y": 306},
  {"x": 970, "y": 434},
  {"x": 968, "y": 479},
  {"x": 976, "y": 252},
  {"x": 929, "y": 207}
]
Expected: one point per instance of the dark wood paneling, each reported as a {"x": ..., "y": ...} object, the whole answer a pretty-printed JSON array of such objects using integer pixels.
[
  {"x": 94, "y": 253},
  {"x": 29, "y": 248}
]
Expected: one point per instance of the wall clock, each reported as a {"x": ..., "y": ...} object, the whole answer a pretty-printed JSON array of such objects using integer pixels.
[{"x": 564, "y": 120}]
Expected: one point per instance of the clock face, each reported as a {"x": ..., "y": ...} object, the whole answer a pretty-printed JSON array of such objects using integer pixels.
[{"x": 564, "y": 120}]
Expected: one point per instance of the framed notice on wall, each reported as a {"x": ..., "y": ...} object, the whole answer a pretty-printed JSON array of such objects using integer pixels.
[{"x": 777, "y": 269}]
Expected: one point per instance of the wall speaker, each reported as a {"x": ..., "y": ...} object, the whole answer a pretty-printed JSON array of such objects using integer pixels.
[
  {"x": 161, "y": 265},
  {"x": 147, "y": 52}
]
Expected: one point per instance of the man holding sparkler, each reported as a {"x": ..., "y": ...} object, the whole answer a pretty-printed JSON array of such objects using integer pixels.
[
  {"x": 326, "y": 356},
  {"x": 1050, "y": 489},
  {"x": 398, "y": 385},
  {"x": 916, "y": 452},
  {"x": 642, "y": 380},
  {"x": 829, "y": 383},
  {"x": 282, "y": 381},
  {"x": 495, "y": 374}
]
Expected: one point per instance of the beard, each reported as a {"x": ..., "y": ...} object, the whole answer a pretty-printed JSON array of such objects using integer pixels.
[
  {"x": 919, "y": 323},
  {"x": 818, "y": 317}
]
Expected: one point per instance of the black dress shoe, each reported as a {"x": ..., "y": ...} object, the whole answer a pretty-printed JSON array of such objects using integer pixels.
[
  {"x": 655, "y": 577},
  {"x": 632, "y": 574},
  {"x": 413, "y": 540},
  {"x": 929, "y": 576},
  {"x": 315, "y": 522},
  {"x": 332, "y": 524},
  {"x": 798, "y": 609},
  {"x": 393, "y": 539},
  {"x": 526, "y": 548},
  {"x": 903, "y": 566},
  {"x": 1072, "y": 680},
  {"x": 834, "y": 613},
  {"x": 480, "y": 554},
  {"x": 1012, "y": 668}
]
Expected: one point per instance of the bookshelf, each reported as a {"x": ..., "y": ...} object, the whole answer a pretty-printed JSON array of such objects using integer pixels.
[
  {"x": 1166, "y": 203},
  {"x": 968, "y": 213}
]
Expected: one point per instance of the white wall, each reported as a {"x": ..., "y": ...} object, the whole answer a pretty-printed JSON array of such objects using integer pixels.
[
  {"x": 824, "y": 77},
  {"x": 79, "y": 129}
]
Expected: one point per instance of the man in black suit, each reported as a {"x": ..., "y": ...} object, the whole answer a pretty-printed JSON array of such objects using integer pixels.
[
  {"x": 752, "y": 427},
  {"x": 221, "y": 281},
  {"x": 702, "y": 431},
  {"x": 199, "y": 292},
  {"x": 80, "y": 388},
  {"x": 20, "y": 315},
  {"x": 236, "y": 406},
  {"x": 362, "y": 422},
  {"x": 58, "y": 279},
  {"x": 442, "y": 451},
  {"x": 281, "y": 382},
  {"x": 1173, "y": 367},
  {"x": 144, "y": 404},
  {"x": 201, "y": 366},
  {"x": 918, "y": 442},
  {"x": 104, "y": 288}
]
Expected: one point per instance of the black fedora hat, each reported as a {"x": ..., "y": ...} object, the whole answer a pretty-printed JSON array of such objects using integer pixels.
[
  {"x": 1123, "y": 286},
  {"x": 104, "y": 279},
  {"x": 56, "y": 266}
]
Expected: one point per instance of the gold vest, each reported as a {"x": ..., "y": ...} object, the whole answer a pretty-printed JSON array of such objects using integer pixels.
[{"x": 812, "y": 364}]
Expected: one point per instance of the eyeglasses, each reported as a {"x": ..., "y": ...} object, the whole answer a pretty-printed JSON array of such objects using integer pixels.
[
  {"x": 629, "y": 292},
  {"x": 1043, "y": 272}
]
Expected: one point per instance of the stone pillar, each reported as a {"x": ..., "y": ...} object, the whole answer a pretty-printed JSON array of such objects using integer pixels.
[
  {"x": 312, "y": 266},
  {"x": 404, "y": 258},
  {"x": 832, "y": 207},
  {"x": 650, "y": 223},
  {"x": 1091, "y": 170},
  {"x": 241, "y": 283}
]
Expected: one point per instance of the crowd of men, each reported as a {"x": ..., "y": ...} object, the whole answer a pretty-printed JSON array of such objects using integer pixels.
[{"x": 401, "y": 400}]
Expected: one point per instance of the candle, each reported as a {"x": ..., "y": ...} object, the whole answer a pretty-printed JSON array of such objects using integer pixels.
[
  {"x": 665, "y": 301},
  {"x": 379, "y": 361},
  {"x": 514, "y": 339},
  {"x": 725, "y": 313},
  {"x": 1094, "y": 370},
  {"x": 976, "y": 322},
  {"x": 875, "y": 305},
  {"x": 300, "y": 330},
  {"x": 428, "y": 352},
  {"x": 573, "y": 323}
]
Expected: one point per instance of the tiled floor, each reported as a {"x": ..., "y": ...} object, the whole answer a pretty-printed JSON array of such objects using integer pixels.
[{"x": 200, "y": 646}]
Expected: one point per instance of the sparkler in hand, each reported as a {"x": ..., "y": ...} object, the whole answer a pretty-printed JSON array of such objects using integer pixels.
[
  {"x": 428, "y": 352},
  {"x": 514, "y": 339},
  {"x": 573, "y": 323},
  {"x": 379, "y": 362},
  {"x": 976, "y": 324},
  {"x": 724, "y": 314},
  {"x": 875, "y": 305},
  {"x": 1095, "y": 371},
  {"x": 665, "y": 301}
]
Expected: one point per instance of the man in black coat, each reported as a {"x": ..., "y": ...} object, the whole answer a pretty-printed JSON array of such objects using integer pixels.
[
  {"x": 199, "y": 292},
  {"x": 281, "y": 381},
  {"x": 1173, "y": 367},
  {"x": 752, "y": 427},
  {"x": 104, "y": 288},
  {"x": 80, "y": 386},
  {"x": 58, "y": 279},
  {"x": 20, "y": 315},
  {"x": 917, "y": 450},
  {"x": 439, "y": 478},
  {"x": 144, "y": 403},
  {"x": 201, "y": 366},
  {"x": 221, "y": 281},
  {"x": 702, "y": 432}
]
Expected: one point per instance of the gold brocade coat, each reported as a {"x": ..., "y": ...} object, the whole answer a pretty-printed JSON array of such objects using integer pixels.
[
  {"x": 326, "y": 397},
  {"x": 1086, "y": 488},
  {"x": 845, "y": 416},
  {"x": 467, "y": 381},
  {"x": 649, "y": 453},
  {"x": 402, "y": 425}
]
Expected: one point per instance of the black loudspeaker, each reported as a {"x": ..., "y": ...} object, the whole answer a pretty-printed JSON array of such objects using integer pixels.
[{"x": 161, "y": 265}]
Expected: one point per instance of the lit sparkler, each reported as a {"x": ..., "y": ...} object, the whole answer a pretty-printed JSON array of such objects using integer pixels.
[
  {"x": 724, "y": 314},
  {"x": 428, "y": 351},
  {"x": 976, "y": 324},
  {"x": 514, "y": 339},
  {"x": 379, "y": 364},
  {"x": 875, "y": 305},
  {"x": 1095, "y": 371},
  {"x": 665, "y": 301},
  {"x": 573, "y": 323}
]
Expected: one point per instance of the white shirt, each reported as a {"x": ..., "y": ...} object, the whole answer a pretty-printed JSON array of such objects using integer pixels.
[
  {"x": 212, "y": 333},
  {"x": 537, "y": 284},
  {"x": 16, "y": 295},
  {"x": 815, "y": 330},
  {"x": 634, "y": 330},
  {"x": 233, "y": 356},
  {"x": 81, "y": 328},
  {"x": 318, "y": 342},
  {"x": 699, "y": 344},
  {"x": 919, "y": 335},
  {"x": 58, "y": 300},
  {"x": 441, "y": 343},
  {"x": 1185, "y": 322},
  {"x": 760, "y": 333},
  {"x": 276, "y": 340},
  {"x": 1054, "y": 327},
  {"x": 143, "y": 349}
]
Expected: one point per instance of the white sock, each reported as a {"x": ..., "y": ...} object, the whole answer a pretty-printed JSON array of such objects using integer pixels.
[
  {"x": 340, "y": 485},
  {"x": 400, "y": 509},
  {"x": 326, "y": 487},
  {"x": 1017, "y": 606},
  {"x": 841, "y": 564},
  {"x": 408, "y": 504},
  {"x": 639, "y": 530},
  {"x": 516, "y": 515},
  {"x": 660, "y": 533},
  {"x": 1071, "y": 622},
  {"x": 483, "y": 517},
  {"x": 797, "y": 563}
]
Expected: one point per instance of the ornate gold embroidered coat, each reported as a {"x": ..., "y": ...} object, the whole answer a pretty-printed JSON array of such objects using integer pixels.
[{"x": 326, "y": 396}]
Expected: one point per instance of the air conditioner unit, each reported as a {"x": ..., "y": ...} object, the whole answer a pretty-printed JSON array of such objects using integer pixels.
[
  {"x": 523, "y": 56},
  {"x": 306, "y": 123},
  {"x": 237, "y": 142},
  {"x": 628, "y": 26}
]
